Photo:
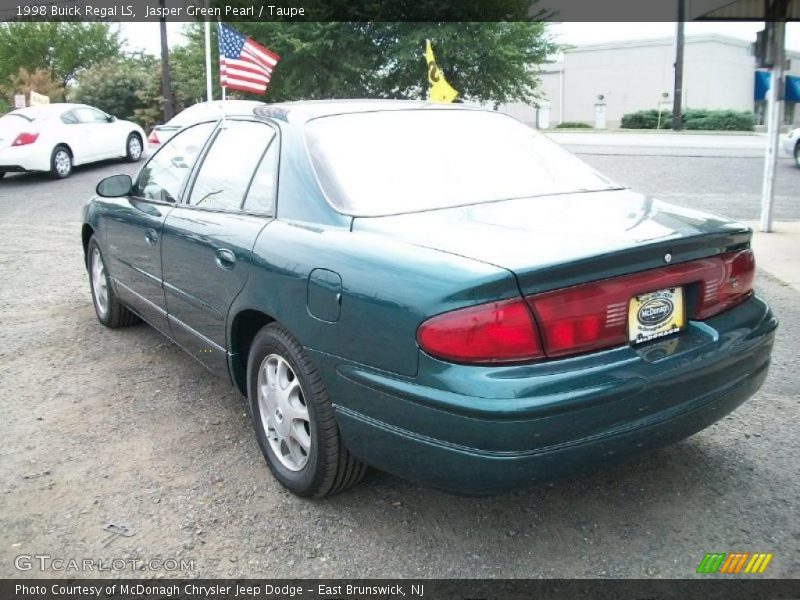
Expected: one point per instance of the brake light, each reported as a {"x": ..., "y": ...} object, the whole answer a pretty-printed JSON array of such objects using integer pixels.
[
  {"x": 153, "y": 138},
  {"x": 733, "y": 286},
  {"x": 488, "y": 333},
  {"x": 23, "y": 139},
  {"x": 582, "y": 318}
]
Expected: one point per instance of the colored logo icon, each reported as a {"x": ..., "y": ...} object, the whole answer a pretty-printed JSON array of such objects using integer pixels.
[{"x": 734, "y": 563}]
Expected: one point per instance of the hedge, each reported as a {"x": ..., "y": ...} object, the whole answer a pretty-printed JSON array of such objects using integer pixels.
[
  {"x": 573, "y": 125},
  {"x": 693, "y": 119}
]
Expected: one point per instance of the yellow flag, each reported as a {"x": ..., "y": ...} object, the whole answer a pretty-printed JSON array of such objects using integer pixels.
[{"x": 439, "y": 90}]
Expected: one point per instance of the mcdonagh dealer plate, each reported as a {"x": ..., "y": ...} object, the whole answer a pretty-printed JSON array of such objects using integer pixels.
[{"x": 655, "y": 315}]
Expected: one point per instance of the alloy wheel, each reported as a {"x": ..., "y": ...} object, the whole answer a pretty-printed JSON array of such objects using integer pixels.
[
  {"x": 134, "y": 147},
  {"x": 99, "y": 283},
  {"x": 284, "y": 413},
  {"x": 63, "y": 163}
]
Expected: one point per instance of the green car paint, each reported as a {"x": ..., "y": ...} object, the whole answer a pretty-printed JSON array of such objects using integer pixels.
[{"x": 354, "y": 290}]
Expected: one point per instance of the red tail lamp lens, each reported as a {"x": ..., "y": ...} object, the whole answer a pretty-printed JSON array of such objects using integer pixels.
[
  {"x": 23, "y": 139},
  {"x": 153, "y": 138},
  {"x": 488, "y": 333}
]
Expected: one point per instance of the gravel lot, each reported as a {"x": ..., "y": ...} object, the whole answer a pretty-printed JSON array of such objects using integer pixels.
[{"x": 122, "y": 427}]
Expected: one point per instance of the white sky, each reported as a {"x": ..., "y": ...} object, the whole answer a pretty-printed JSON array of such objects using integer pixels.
[{"x": 145, "y": 36}]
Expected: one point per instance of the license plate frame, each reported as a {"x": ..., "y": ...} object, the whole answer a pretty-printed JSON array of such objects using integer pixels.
[{"x": 656, "y": 314}]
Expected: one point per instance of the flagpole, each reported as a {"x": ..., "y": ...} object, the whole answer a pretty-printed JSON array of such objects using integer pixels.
[{"x": 209, "y": 96}]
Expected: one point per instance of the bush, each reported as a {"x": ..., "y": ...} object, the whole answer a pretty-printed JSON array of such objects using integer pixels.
[
  {"x": 693, "y": 119},
  {"x": 719, "y": 120},
  {"x": 573, "y": 125},
  {"x": 646, "y": 119}
]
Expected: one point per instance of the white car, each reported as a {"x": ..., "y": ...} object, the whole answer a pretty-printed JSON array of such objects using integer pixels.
[
  {"x": 202, "y": 111},
  {"x": 56, "y": 137},
  {"x": 791, "y": 144}
]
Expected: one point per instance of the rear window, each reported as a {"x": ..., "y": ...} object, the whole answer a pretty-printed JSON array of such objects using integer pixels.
[{"x": 391, "y": 162}]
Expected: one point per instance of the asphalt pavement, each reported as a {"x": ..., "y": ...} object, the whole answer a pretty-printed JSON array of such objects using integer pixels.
[{"x": 122, "y": 428}]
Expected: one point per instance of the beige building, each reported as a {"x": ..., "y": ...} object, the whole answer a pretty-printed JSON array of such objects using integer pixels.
[{"x": 598, "y": 83}]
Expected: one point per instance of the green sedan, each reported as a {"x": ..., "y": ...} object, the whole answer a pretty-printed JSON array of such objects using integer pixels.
[{"x": 437, "y": 291}]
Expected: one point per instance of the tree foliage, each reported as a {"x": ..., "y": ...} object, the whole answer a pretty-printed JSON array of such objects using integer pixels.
[
  {"x": 39, "y": 80},
  {"x": 120, "y": 87},
  {"x": 486, "y": 62},
  {"x": 63, "y": 48}
]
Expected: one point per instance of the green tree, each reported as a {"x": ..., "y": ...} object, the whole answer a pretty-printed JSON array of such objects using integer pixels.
[
  {"x": 118, "y": 87},
  {"x": 487, "y": 62},
  {"x": 63, "y": 48}
]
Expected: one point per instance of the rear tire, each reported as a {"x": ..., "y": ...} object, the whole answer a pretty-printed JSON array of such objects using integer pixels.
[
  {"x": 133, "y": 148},
  {"x": 293, "y": 418},
  {"x": 60, "y": 163},
  {"x": 109, "y": 310},
  {"x": 797, "y": 155}
]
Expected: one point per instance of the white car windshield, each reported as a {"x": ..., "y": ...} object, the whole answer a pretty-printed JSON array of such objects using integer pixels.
[{"x": 400, "y": 161}]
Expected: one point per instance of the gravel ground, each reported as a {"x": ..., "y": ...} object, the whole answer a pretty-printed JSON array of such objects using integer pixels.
[{"x": 121, "y": 427}]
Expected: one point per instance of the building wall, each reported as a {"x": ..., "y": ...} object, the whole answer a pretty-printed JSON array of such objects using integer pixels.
[{"x": 631, "y": 76}]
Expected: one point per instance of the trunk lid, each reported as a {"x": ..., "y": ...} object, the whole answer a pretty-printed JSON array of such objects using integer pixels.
[{"x": 555, "y": 241}]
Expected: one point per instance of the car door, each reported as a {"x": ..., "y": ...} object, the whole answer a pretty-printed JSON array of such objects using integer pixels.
[
  {"x": 134, "y": 224},
  {"x": 100, "y": 134},
  {"x": 208, "y": 239}
]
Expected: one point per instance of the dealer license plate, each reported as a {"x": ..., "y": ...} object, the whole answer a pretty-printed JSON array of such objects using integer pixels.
[{"x": 655, "y": 315}]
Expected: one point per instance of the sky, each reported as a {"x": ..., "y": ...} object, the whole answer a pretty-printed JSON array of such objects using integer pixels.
[{"x": 145, "y": 36}]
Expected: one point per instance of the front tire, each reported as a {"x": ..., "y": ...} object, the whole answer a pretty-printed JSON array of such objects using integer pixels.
[
  {"x": 133, "y": 148},
  {"x": 110, "y": 311},
  {"x": 797, "y": 155},
  {"x": 293, "y": 418},
  {"x": 60, "y": 163}
]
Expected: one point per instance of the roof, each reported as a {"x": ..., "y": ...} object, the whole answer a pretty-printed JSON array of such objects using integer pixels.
[{"x": 306, "y": 110}]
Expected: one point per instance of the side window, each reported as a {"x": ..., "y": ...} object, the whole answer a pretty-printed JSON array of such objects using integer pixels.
[
  {"x": 69, "y": 118},
  {"x": 261, "y": 195},
  {"x": 228, "y": 166},
  {"x": 163, "y": 176},
  {"x": 90, "y": 115}
]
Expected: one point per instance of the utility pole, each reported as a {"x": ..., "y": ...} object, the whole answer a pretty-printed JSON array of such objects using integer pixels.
[
  {"x": 776, "y": 55},
  {"x": 166, "y": 80},
  {"x": 677, "y": 95}
]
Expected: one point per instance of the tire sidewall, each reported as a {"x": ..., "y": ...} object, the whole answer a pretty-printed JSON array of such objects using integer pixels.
[
  {"x": 53, "y": 171},
  {"x": 304, "y": 481},
  {"x": 89, "y": 254}
]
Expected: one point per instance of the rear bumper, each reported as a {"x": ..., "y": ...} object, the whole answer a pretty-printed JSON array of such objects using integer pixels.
[
  {"x": 22, "y": 158},
  {"x": 482, "y": 430}
]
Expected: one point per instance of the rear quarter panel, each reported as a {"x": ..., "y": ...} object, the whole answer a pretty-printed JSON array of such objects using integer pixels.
[{"x": 388, "y": 289}]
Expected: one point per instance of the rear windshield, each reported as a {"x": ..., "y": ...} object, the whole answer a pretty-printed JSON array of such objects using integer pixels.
[{"x": 391, "y": 162}]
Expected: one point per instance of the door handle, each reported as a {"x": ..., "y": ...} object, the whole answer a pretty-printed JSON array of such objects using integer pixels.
[
  {"x": 225, "y": 259},
  {"x": 151, "y": 237}
]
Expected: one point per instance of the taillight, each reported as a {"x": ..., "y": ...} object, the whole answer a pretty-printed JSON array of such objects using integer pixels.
[
  {"x": 153, "y": 138},
  {"x": 23, "y": 139},
  {"x": 734, "y": 284},
  {"x": 582, "y": 318},
  {"x": 488, "y": 333}
]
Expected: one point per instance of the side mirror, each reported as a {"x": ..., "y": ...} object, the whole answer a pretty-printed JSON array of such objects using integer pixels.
[
  {"x": 115, "y": 186},
  {"x": 111, "y": 118}
]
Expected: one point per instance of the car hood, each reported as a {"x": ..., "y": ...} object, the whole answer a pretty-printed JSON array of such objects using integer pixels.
[{"x": 562, "y": 239}]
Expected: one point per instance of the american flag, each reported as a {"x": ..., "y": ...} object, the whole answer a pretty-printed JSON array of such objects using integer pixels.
[{"x": 244, "y": 64}]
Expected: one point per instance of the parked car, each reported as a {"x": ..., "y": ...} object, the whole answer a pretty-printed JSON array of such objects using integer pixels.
[
  {"x": 57, "y": 137},
  {"x": 196, "y": 113},
  {"x": 791, "y": 144},
  {"x": 437, "y": 291}
]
